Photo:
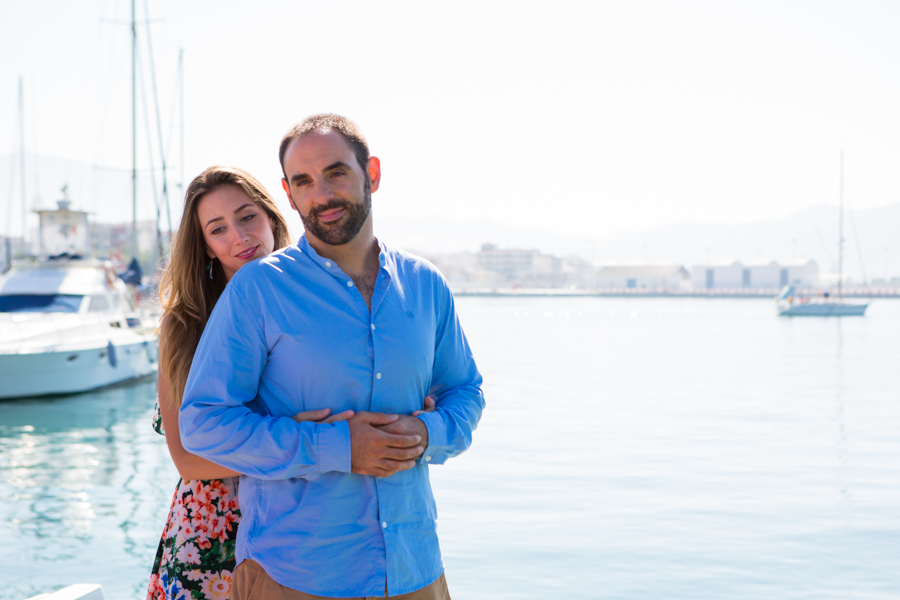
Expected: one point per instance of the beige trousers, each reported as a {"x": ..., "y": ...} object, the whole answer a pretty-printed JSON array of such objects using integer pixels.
[{"x": 251, "y": 582}]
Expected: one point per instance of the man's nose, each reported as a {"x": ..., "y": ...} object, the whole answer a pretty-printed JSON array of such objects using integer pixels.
[{"x": 323, "y": 192}]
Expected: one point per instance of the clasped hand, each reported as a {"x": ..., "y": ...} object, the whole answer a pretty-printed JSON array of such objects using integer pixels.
[{"x": 380, "y": 444}]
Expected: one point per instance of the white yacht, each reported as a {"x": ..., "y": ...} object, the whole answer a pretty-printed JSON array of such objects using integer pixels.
[{"x": 68, "y": 324}]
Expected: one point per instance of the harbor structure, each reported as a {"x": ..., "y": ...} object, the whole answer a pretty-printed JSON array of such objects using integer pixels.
[
  {"x": 769, "y": 274},
  {"x": 667, "y": 277}
]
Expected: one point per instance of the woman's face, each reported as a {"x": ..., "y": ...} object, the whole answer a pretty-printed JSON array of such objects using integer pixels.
[{"x": 235, "y": 228}]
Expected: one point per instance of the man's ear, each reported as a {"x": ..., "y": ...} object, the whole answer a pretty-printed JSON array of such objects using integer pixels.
[
  {"x": 374, "y": 170},
  {"x": 287, "y": 190}
]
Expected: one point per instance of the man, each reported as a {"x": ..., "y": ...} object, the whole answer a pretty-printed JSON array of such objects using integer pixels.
[{"x": 340, "y": 321}]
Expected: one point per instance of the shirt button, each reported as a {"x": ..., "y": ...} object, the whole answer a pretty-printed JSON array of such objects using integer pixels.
[
  {"x": 427, "y": 459},
  {"x": 373, "y": 326},
  {"x": 384, "y": 524},
  {"x": 377, "y": 375},
  {"x": 327, "y": 263},
  {"x": 349, "y": 284}
]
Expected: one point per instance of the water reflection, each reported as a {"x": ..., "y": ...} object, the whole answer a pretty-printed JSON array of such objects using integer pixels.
[{"x": 77, "y": 486}]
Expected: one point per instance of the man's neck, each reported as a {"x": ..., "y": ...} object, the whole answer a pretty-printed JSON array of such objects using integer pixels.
[{"x": 358, "y": 258}]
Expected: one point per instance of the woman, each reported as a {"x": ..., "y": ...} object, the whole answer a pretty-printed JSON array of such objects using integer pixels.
[{"x": 229, "y": 219}]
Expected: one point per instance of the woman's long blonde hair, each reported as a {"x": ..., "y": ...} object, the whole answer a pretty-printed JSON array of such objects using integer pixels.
[{"x": 186, "y": 292}]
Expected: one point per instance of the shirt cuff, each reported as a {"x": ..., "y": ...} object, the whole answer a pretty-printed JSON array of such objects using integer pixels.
[
  {"x": 333, "y": 447},
  {"x": 436, "y": 452}
]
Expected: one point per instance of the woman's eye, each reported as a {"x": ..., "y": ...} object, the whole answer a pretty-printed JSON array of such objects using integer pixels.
[{"x": 248, "y": 218}]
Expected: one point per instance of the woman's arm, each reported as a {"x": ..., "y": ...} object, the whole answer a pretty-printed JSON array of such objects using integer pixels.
[{"x": 190, "y": 466}]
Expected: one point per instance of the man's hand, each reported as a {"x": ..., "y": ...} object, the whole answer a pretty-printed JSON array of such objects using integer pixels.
[
  {"x": 378, "y": 452},
  {"x": 429, "y": 406},
  {"x": 319, "y": 416},
  {"x": 408, "y": 426}
]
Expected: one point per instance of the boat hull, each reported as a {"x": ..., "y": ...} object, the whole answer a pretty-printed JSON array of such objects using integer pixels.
[
  {"x": 824, "y": 309},
  {"x": 74, "y": 370}
]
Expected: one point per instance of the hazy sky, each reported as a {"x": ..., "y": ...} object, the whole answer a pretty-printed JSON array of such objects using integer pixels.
[{"x": 583, "y": 117}]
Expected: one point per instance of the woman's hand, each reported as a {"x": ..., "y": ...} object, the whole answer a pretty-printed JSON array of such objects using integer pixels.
[
  {"x": 321, "y": 416},
  {"x": 429, "y": 407}
]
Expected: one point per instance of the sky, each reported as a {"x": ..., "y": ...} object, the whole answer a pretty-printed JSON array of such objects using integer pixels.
[{"x": 583, "y": 117}]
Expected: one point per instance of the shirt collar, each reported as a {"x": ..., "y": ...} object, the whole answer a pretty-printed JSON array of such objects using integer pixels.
[{"x": 329, "y": 265}]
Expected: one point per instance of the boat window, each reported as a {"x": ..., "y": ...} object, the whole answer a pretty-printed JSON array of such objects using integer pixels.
[
  {"x": 43, "y": 303},
  {"x": 98, "y": 304}
]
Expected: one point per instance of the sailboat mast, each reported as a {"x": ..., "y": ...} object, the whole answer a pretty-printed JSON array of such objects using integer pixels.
[
  {"x": 841, "y": 231},
  {"x": 181, "y": 118},
  {"x": 22, "y": 164},
  {"x": 134, "y": 237}
]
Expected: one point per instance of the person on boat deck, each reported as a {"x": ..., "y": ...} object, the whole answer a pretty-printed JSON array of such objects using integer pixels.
[
  {"x": 342, "y": 509},
  {"x": 229, "y": 219}
]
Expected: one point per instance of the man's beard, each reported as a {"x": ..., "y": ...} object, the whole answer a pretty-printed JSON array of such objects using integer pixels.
[{"x": 355, "y": 216}]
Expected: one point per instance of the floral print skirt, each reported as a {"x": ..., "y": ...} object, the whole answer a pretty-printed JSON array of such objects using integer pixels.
[{"x": 195, "y": 558}]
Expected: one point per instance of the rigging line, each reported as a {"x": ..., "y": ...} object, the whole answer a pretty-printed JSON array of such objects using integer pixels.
[
  {"x": 162, "y": 152},
  {"x": 12, "y": 183},
  {"x": 859, "y": 254},
  {"x": 104, "y": 112},
  {"x": 146, "y": 113},
  {"x": 93, "y": 80},
  {"x": 176, "y": 89}
]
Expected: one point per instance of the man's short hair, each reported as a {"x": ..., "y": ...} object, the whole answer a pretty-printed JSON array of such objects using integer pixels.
[{"x": 323, "y": 123}]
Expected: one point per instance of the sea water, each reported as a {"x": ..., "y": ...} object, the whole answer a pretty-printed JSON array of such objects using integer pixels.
[{"x": 631, "y": 448}]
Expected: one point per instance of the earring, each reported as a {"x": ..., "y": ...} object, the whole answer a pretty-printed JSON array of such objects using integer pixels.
[{"x": 209, "y": 268}]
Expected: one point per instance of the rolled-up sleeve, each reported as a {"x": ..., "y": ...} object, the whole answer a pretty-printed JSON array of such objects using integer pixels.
[
  {"x": 456, "y": 385},
  {"x": 215, "y": 420}
]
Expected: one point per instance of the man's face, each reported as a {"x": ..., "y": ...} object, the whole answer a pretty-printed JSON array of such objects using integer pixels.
[{"x": 327, "y": 187}]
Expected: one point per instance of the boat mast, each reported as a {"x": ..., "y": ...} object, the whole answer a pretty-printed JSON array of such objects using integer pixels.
[
  {"x": 134, "y": 237},
  {"x": 181, "y": 119},
  {"x": 841, "y": 232},
  {"x": 22, "y": 164}
]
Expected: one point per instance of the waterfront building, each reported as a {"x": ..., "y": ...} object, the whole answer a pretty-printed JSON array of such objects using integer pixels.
[
  {"x": 769, "y": 274},
  {"x": 658, "y": 277}
]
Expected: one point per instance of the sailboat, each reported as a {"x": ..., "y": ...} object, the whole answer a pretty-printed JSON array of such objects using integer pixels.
[{"x": 791, "y": 305}]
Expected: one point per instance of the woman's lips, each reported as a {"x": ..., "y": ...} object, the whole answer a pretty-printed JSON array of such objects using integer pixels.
[{"x": 248, "y": 254}]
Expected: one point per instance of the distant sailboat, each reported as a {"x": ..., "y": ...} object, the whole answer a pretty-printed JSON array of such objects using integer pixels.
[{"x": 790, "y": 305}]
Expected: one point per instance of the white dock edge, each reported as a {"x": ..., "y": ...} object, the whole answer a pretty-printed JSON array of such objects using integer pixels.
[{"x": 77, "y": 591}]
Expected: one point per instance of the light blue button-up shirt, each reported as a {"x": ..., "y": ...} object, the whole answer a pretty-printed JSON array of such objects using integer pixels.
[{"x": 290, "y": 333}]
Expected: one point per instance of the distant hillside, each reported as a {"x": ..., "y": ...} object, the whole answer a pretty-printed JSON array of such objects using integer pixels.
[{"x": 812, "y": 232}]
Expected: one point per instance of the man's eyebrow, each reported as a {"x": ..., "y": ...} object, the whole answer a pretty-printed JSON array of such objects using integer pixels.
[
  {"x": 337, "y": 165},
  {"x": 236, "y": 211}
]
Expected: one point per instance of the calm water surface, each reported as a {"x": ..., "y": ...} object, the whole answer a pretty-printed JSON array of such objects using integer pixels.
[{"x": 631, "y": 448}]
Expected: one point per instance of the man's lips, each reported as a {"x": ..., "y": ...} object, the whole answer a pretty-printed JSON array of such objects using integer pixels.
[
  {"x": 333, "y": 214},
  {"x": 248, "y": 254}
]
